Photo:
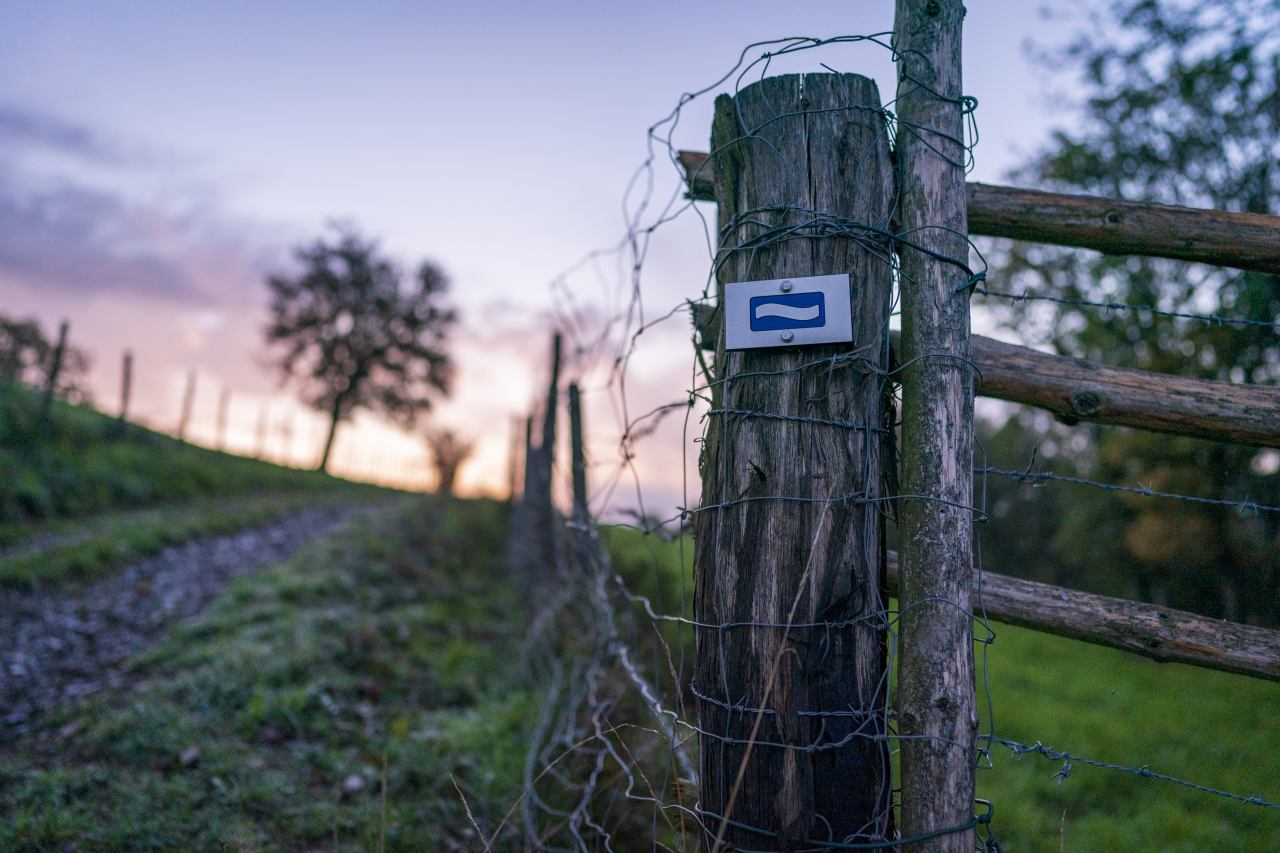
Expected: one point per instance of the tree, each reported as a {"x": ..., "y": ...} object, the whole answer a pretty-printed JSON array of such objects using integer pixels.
[
  {"x": 26, "y": 357},
  {"x": 1182, "y": 106},
  {"x": 448, "y": 451},
  {"x": 355, "y": 335}
]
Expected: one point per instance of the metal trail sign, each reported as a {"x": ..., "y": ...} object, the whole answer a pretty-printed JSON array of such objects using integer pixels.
[{"x": 785, "y": 312}]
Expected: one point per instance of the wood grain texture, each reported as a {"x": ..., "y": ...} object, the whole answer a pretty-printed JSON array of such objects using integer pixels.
[
  {"x": 756, "y": 556},
  {"x": 936, "y": 704},
  {"x": 1247, "y": 241},
  {"x": 1149, "y": 630},
  {"x": 1079, "y": 390}
]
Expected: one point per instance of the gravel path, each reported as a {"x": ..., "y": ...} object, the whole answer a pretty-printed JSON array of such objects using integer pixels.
[{"x": 57, "y": 645}]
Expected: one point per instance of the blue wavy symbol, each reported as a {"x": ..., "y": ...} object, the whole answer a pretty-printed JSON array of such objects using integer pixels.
[{"x": 788, "y": 311}]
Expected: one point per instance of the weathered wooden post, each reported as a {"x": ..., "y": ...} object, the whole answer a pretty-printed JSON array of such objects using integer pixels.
[
  {"x": 260, "y": 436},
  {"x": 126, "y": 385},
  {"x": 188, "y": 400},
  {"x": 528, "y": 455},
  {"x": 790, "y": 528},
  {"x": 578, "y": 457},
  {"x": 513, "y": 462},
  {"x": 55, "y": 369},
  {"x": 224, "y": 407},
  {"x": 286, "y": 439},
  {"x": 936, "y": 709},
  {"x": 543, "y": 522},
  {"x": 532, "y": 544}
]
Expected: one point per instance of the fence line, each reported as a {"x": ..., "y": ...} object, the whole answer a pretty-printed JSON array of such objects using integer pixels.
[{"x": 585, "y": 735}]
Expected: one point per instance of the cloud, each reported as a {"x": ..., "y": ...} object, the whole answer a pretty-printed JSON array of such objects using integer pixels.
[
  {"x": 28, "y": 128},
  {"x": 56, "y": 239},
  {"x": 75, "y": 219}
]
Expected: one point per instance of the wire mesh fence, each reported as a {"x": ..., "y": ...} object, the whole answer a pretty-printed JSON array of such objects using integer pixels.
[{"x": 643, "y": 669}]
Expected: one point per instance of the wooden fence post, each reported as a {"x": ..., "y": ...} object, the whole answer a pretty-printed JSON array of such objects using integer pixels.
[
  {"x": 513, "y": 461},
  {"x": 260, "y": 437},
  {"x": 224, "y": 406},
  {"x": 528, "y": 455},
  {"x": 578, "y": 457},
  {"x": 188, "y": 400},
  {"x": 55, "y": 368},
  {"x": 126, "y": 385},
  {"x": 936, "y": 708},
  {"x": 543, "y": 517},
  {"x": 534, "y": 526},
  {"x": 790, "y": 530}
]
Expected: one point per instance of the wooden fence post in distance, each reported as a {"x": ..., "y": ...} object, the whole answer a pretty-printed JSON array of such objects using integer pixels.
[
  {"x": 534, "y": 526},
  {"x": 789, "y": 530},
  {"x": 936, "y": 706},
  {"x": 126, "y": 385},
  {"x": 578, "y": 457},
  {"x": 224, "y": 406},
  {"x": 55, "y": 368},
  {"x": 188, "y": 400}
]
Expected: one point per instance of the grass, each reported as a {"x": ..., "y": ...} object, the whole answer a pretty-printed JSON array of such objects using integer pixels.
[
  {"x": 391, "y": 652},
  {"x": 376, "y": 661},
  {"x": 81, "y": 462},
  {"x": 1216, "y": 729},
  {"x": 81, "y": 493},
  {"x": 88, "y": 549}
]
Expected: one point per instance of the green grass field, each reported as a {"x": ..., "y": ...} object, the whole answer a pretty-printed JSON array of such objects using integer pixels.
[
  {"x": 81, "y": 493},
  {"x": 1215, "y": 729},
  {"x": 387, "y": 659},
  {"x": 374, "y": 661},
  {"x": 80, "y": 462}
]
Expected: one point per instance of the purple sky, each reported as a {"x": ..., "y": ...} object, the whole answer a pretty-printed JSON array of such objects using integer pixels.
[{"x": 157, "y": 159}]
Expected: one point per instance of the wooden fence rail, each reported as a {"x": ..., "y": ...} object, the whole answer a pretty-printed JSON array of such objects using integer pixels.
[
  {"x": 1159, "y": 633},
  {"x": 1078, "y": 390},
  {"x": 1247, "y": 241}
]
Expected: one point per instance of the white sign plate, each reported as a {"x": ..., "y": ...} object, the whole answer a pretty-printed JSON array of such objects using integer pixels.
[{"x": 787, "y": 312}]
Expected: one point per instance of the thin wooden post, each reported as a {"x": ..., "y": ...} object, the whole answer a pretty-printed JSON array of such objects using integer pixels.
[
  {"x": 513, "y": 460},
  {"x": 188, "y": 400},
  {"x": 286, "y": 437},
  {"x": 224, "y": 407},
  {"x": 126, "y": 385},
  {"x": 531, "y": 544},
  {"x": 543, "y": 520},
  {"x": 529, "y": 451},
  {"x": 578, "y": 457},
  {"x": 55, "y": 368},
  {"x": 789, "y": 534},
  {"x": 937, "y": 717},
  {"x": 260, "y": 437}
]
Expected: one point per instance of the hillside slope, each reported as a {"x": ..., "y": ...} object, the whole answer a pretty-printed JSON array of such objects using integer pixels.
[
  {"x": 80, "y": 492},
  {"x": 81, "y": 462}
]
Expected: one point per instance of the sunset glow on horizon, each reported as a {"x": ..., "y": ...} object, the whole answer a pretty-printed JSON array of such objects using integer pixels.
[{"x": 158, "y": 162}]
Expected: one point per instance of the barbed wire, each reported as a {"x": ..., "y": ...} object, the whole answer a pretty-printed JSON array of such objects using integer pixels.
[
  {"x": 1036, "y": 477},
  {"x": 1211, "y": 319},
  {"x": 610, "y": 656}
]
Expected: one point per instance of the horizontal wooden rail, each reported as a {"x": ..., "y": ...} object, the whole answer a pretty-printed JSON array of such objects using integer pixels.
[
  {"x": 1159, "y": 633},
  {"x": 1248, "y": 241},
  {"x": 1078, "y": 390}
]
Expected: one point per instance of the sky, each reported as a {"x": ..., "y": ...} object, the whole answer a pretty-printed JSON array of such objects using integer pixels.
[{"x": 159, "y": 160}]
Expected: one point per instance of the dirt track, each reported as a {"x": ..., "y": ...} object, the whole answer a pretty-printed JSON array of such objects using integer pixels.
[{"x": 59, "y": 644}]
